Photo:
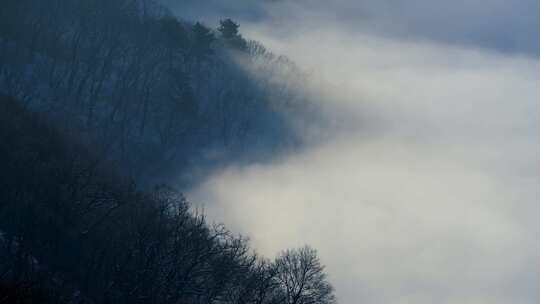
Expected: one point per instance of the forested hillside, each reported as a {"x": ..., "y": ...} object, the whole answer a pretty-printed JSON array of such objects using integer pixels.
[
  {"x": 103, "y": 103},
  {"x": 147, "y": 91},
  {"x": 70, "y": 233}
]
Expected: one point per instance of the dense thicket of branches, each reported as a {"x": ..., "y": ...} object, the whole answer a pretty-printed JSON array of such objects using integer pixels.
[
  {"x": 69, "y": 233},
  {"x": 148, "y": 91}
]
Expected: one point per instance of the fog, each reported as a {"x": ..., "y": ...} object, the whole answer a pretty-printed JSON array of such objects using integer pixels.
[{"x": 424, "y": 188}]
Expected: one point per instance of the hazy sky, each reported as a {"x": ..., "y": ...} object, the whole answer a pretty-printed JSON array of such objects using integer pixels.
[
  {"x": 504, "y": 25},
  {"x": 427, "y": 193}
]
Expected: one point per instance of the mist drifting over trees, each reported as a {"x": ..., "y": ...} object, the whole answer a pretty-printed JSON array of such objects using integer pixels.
[
  {"x": 103, "y": 103},
  {"x": 267, "y": 151}
]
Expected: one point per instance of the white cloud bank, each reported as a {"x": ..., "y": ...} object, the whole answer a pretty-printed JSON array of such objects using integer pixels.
[{"x": 429, "y": 191}]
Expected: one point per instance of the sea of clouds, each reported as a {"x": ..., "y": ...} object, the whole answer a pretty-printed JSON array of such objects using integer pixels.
[{"x": 425, "y": 187}]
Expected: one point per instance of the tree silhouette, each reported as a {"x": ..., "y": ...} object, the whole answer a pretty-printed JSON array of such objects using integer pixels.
[
  {"x": 228, "y": 28},
  {"x": 302, "y": 278},
  {"x": 202, "y": 40},
  {"x": 230, "y": 35},
  {"x": 175, "y": 32}
]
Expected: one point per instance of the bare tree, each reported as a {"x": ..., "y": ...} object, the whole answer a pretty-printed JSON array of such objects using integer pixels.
[{"x": 302, "y": 278}]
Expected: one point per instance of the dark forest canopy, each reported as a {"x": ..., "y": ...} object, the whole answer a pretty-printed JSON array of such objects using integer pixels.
[
  {"x": 100, "y": 97},
  {"x": 151, "y": 93}
]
